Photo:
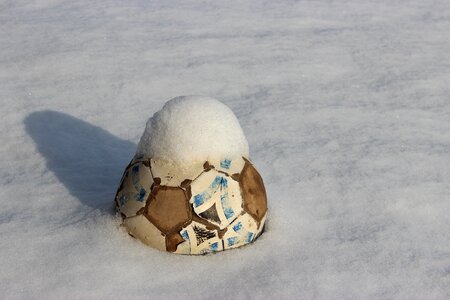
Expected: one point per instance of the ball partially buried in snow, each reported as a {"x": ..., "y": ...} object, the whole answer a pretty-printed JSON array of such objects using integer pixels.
[{"x": 191, "y": 188}]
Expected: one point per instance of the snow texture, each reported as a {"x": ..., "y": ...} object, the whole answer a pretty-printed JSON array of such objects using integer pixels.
[
  {"x": 345, "y": 105},
  {"x": 191, "y": 129}
]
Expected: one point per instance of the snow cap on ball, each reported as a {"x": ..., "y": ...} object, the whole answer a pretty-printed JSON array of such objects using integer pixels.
[{"x": 193, "y": 128}]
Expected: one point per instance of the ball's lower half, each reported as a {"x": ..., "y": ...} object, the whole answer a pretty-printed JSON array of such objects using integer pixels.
[{"x": 204, "y": 207}]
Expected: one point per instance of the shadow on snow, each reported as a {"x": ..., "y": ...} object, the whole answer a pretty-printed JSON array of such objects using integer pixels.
[{"x": 87, "y": 159}]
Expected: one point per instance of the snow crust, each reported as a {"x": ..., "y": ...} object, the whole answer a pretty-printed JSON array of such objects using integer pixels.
[{"x": 193, "y": 128}]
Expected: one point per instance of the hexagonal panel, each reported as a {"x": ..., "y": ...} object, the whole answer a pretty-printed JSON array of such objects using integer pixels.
[
  {"x": 142, "y": 229},
  {"x": 253, "y": 192},
  {"x": 216, "y": 198},
  {"x": 134, "y": 188},
  {"x": 242, "y": 231},
  {"x": 168, "y": 209},
  {"x": 199, "y": 240},
  {"x": 183, "y": 248},
  {"x": 229, "y": 165},
  {"x": 172, "y": 174}
]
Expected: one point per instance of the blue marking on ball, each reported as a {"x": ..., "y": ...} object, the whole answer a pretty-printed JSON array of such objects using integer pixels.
[
  {"x": 229, "y": 212},
  {"x": 185, "y": 235},
  {"x": 215, "y": 246},
  {"x": 237, "y": 227},
  {"x": 199, "y": 199},
  {"x": 122, "y": 200},
  {"x": 249, "y": 237},
  {"x": 225, "y": 163},
  {"x": 231, "y": 241},
  {"x": 141, "y": 196}
]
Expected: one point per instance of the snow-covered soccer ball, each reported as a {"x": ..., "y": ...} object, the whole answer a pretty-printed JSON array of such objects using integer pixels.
[{"x": 191, "y": 189}]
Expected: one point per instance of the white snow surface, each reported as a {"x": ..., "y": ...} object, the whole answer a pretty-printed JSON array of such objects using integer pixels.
[
  {"x": 191, "y": 129},
  {"x": 345, "y": 105}
]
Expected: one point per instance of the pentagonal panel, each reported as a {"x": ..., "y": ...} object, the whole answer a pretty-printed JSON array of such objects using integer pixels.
[
  {"x": 216, "y": 198},
  {"x": 174, "y": 174},
  {"x": 168, "y": 209},
  {"x": 261, "y": 226},
  {"x": 134, "y": 188},
  {"x": 253, "y": 192},
  {"x": 173, "y": 240},
  {"x": 142, "y": 229}
]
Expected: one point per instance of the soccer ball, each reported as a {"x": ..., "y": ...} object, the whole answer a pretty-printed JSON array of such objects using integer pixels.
[{"x": 204, "y": 207}]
